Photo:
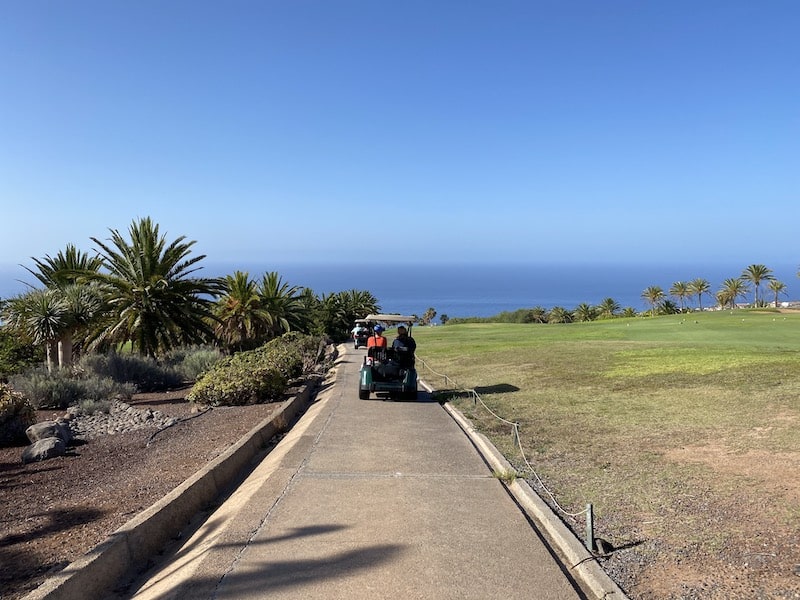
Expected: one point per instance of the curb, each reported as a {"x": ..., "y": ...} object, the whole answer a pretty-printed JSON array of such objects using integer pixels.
[
  {"x": 577, "y": 559},
  {"x": 96, "y": 573}
]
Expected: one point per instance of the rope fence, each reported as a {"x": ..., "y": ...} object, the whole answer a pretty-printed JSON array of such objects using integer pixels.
[{"x": 515, "y": 433}]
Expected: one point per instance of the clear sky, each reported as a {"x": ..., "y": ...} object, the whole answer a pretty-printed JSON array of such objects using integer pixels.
[{"x": 508, "y": 130}]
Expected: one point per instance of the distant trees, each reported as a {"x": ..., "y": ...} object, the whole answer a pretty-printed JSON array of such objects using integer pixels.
[
  {"x": 680, "y": 290},
  {"x": 777, "y": 288},
  {"x": 427, "y": 316},
  {"x": 755, "y": 274},
  {"x": 653, "y": 295},
  {"x": 699, "y": 287},
  {"x": 608, "y": 308},
  {"x": 731, "y": 289}
]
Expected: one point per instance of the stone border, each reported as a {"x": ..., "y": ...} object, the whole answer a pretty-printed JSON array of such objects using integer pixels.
[
  {"x": 96, "y": 573},
  {"x": 576, "y": 558}
]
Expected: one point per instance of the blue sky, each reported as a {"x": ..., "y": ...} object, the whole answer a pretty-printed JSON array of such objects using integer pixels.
[{"x": 305, "y": 131}]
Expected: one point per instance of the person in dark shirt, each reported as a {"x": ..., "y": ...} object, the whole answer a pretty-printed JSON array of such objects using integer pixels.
[{"x": 404, "y": 347}]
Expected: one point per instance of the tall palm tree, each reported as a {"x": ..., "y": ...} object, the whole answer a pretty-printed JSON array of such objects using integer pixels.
[
  {"x": 681, "y": 291},
  {"x": 608, "y": 308},
  {"x": 777, "y": 288},
  {"x": 731, "y": 289},
  {"x": 755, "y": 274},
  {"x": 241, "y": 322},
  {"x": 699, "y": 287},
  {"x": 282, "y": 305},
  {"x": 653, "y": 295},
  {"x": 154, "y": 301}
]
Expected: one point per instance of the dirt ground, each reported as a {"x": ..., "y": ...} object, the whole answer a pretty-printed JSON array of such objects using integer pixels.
[{"x": 56, "y": 510}]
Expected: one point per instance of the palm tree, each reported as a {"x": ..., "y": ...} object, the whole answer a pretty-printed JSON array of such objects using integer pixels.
[
  {"x": 241, "y": 321},
  {"x": 153, "y": 300},
  {"x": 755, "y": 274},
  {"x": 559, "y": 314},
  {"x": 777, "y": 288},
  {"x": 653, "y": 295},
  {"x": 65, "y": 268},
  {"x": 731, "y": 289},
  {"x": 629, "y": 311},
  {"x": 538, "y": 314},
  {"x": 282, "y": 305},
  {"x": 585, "y": 312},
  {"x": 40, "y": 314},
  {"x": 699, "y": 287},
  {"x": 63, "y": 276},
  {"x": 608, "y": 308},
  {"x": 681, "y": 291}
]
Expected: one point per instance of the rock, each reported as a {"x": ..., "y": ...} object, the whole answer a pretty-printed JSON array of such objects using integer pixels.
[
  {"x": 48, "y": 429},
  {"x": 44, "y": 449}
]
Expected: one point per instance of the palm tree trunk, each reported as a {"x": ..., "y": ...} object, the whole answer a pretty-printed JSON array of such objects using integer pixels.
[
  {"x": 65, "y": 352},
  {"x": 51, "y": 352}
]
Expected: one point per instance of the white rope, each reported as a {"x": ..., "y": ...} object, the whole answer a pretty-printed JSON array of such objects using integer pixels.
[{"x": 515, "y": 433}]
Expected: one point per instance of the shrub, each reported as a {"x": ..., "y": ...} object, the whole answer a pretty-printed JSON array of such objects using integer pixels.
[
  {"x": 90, "y": 406},
  {"x": 143, "y": 372},
  {"x": 191, "y": 362},
  {"x": 16, "y": 415},
  {"x": 60, "y": 389},
  {"x": 17, "y": 353},
  {"x": 259, "y": 375}
]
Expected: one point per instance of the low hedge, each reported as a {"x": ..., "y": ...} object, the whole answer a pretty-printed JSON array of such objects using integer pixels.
[{"x": 260, "y": 375}]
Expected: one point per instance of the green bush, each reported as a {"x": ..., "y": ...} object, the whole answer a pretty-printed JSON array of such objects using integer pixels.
[
  {"x": 16, "y": 415},
  {"x": 259, "y": 375},
  {"x": 17, "y": 353},
  {"x": 60, "y": 389}
]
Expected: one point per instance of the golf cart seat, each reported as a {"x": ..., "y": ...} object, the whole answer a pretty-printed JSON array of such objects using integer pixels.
[{"x": 377, "y": 354}]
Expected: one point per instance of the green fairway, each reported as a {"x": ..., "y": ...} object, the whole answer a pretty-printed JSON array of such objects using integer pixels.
[{"x": 660, "y": 422}]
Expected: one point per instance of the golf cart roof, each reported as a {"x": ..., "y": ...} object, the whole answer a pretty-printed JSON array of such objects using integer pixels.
[{"x": 391, "y": 318}]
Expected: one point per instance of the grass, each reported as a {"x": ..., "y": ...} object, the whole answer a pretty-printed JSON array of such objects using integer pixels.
[{"x": 628, "y": 413}]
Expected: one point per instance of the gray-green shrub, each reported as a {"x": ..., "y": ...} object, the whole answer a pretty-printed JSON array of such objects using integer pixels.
[
  {"x": 147, "y": 374},
  {"x": 61, "y": 389},
  {"x": 192, "y": 361}
]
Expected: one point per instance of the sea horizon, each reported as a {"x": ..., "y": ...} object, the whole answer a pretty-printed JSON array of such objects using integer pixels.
[{"x": 478, "y": 290}]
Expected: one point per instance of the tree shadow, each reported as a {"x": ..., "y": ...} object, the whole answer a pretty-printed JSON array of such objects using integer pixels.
[
  {"x": 500, "y": 388},
  {"x": 24, "y": 569}
]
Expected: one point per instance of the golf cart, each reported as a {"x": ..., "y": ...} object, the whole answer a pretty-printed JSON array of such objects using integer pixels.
[
  {"x": 386, "y": 371},
  {"x": 361, "y": 333}
]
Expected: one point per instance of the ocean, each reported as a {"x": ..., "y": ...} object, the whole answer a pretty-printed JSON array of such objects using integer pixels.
[{"x": 460, "y": 290}]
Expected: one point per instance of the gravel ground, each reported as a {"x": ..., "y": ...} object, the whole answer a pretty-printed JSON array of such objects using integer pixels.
[{"x": 56, "y": 510}]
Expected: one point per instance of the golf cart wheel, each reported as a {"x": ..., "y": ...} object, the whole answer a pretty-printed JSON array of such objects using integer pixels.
[
  {"x": 412, "y": 395},
  {"x": 363, "y": 394}
]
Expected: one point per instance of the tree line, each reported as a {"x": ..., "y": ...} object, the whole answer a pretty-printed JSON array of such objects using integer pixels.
[
  {"x": 144, "y": 292},
  {"x": 756, "y": 279}
]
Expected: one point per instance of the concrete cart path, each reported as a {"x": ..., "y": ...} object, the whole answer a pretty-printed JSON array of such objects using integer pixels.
[{"x": 365, "y": 499}]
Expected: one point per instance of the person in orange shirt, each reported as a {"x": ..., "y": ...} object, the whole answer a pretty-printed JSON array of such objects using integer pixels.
[{"x": 377, "y": 339}]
